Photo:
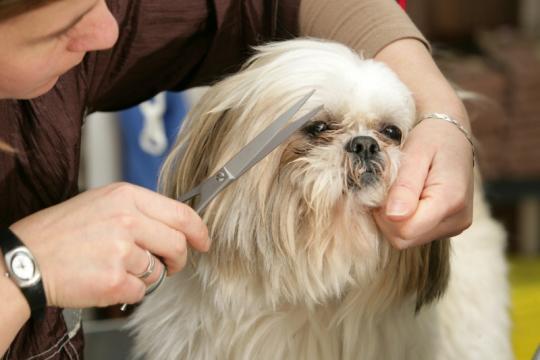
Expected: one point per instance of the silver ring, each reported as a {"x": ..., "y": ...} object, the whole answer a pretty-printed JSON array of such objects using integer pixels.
[
  {"x": 150, "y": 268},
  {"x": 153, "y": 287}
]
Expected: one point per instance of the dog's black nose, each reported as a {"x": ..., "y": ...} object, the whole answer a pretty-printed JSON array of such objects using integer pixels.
[{"x": 363, "y": 146}]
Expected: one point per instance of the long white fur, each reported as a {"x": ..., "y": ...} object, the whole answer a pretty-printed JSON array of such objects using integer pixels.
[{"x": 315, "y": 288}]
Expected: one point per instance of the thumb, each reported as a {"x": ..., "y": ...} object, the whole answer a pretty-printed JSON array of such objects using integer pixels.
[{"x": 404, "y": 194}]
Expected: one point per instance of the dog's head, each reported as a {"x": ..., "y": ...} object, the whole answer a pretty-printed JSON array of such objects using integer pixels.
[{"x": 298, "y": 226}]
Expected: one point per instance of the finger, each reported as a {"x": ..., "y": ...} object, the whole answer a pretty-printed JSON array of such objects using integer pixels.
[
  {"x": 450, "y": 227},
  {"x": 161, "y": 240},
  {"x": 139, "y": 263},
  {"x": 424, "y": 227},
  {"x": 404, "y": 194},
  {"x": 132, "y": 290},
  {"x": 427, "y": 217},
  {"x": 431, "y": 211},
  {"x": 154, "y": 276},
  {"x": 457, "y": 223},
  {"x": 175, "y": 215}
]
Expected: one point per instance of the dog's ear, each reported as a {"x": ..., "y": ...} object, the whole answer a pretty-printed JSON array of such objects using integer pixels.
[
  {"x": 190, "y": 159},
  {"x": 434, "y": 272},
  {"x": 423, "y": 271}
]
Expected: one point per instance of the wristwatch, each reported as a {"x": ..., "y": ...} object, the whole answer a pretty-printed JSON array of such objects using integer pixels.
[{"x": 23, "y": 270}]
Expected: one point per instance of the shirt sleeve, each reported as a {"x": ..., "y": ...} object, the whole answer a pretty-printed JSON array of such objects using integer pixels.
[{"x": 364, "y": 25}]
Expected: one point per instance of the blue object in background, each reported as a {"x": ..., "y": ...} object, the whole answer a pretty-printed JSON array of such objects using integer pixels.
[{"x": 158, "y": 121}]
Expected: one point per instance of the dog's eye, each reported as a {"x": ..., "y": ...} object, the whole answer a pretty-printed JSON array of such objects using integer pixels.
[
  {"x": 392, "y": 132},
  {"x": 316, "y": 128}
]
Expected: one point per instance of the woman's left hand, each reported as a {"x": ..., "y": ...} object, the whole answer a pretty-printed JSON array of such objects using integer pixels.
[{"x": 433, "y": 194}]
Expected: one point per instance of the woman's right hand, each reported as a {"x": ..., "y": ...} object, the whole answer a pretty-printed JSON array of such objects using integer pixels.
[{"x": 89, "y": 247}]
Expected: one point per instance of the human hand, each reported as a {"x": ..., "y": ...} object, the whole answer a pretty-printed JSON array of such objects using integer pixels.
[
  {"x": 89, "y": 247},
  {"x": 433, "y": 193}
]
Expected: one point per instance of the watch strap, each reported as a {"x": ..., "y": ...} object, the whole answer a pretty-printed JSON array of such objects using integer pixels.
[
  {"x": 34, "y": 294},
  {"x": 9, "y": 240}
]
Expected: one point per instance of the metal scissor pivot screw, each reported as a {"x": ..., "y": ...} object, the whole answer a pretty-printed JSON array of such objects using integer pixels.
[{"x": 221, "y": 176}]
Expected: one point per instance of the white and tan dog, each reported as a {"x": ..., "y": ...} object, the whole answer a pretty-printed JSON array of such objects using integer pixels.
[{"x": 297, "y": 267}]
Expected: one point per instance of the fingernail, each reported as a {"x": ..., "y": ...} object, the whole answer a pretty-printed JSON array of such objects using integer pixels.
[{"x": 396, "y": 208}]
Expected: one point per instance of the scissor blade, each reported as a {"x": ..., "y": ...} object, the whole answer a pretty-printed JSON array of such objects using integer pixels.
[
  {"x": 281, "y": 137},
  {"x": 190, "y": 194},
  {"x": 237, "y": 165}
]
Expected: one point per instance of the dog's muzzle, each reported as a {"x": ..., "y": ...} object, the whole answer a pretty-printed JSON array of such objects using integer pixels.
[{"x": 367, "y": 164}]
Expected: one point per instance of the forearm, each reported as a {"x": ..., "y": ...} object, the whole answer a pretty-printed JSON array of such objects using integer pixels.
[
  {"x": 14, "y": 310},
  {"x": 366, "y": 26},
  {"x": 413, "y": 63}
]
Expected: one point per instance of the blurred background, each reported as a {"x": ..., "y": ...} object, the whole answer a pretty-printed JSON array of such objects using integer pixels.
[
  {"x": 492, "y": 48},
  {"x": 488, "y": 47}
]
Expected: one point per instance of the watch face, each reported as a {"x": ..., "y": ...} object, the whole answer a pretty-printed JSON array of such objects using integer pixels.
[{"x": 22, "y": 266}]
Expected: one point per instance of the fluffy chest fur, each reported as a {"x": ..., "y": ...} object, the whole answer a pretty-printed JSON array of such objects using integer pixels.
[{"x": 192, "y": 326}]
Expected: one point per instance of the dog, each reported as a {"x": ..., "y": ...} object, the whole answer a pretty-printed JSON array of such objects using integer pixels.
[{"x": 298, "y": 268}]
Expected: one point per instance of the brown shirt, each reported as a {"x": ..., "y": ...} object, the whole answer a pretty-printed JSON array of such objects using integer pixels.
[{"x": 163, "y": 45}]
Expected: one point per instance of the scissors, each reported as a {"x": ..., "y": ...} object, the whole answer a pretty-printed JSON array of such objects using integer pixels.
[{"x": 263, "y": 144}]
